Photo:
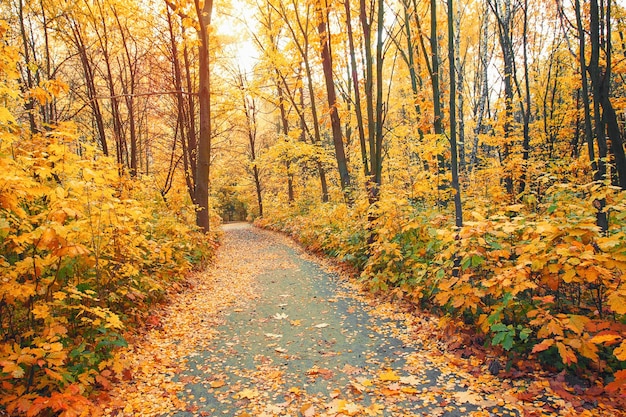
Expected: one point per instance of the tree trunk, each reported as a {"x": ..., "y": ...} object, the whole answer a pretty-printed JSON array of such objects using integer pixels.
[
  {"x": 92, "y": 92},
  {"x": 483, "y": 89},
  {"x": 458, "y": 209},
  {"x": 357, "y": 92},
  {"x": 204, "y": 94},
  {"x": 327, "y": 66},
  {"x": 595, "y": 76}
]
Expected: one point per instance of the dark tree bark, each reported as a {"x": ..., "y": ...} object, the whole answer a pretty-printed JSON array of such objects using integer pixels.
[
  {"x": 204, "y": 94},
  {"x": 327, "y": 66}
]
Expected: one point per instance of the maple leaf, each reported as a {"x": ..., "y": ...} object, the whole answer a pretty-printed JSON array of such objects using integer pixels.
[
  {"x": 247, "y": 393},
  {"x": 389, "y": 375}
]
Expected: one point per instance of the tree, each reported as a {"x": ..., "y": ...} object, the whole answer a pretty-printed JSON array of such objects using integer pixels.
[
  {"x": 458, "y": 209},
  {"x": 250, "y": 110},
  {"x": 321, "y": 10},
  {"x": 203, "y": 12}
]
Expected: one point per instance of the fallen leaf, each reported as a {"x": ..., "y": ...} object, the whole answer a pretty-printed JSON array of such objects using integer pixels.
[
  {"x": 374, "y": 410},
  {"x": 247, "y": 393},
  {"x": 217, "y": 384},
  {"x": 280, "y": 316},
  {"x": 389, "y": 375},
  {"x": 307, "y": 410},
  {"x": 410, "y": 380},
  {"x": 321, "y": 325}
]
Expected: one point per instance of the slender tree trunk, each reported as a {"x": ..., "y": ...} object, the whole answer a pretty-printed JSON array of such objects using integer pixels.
[
  {"x": 28, "y": 81},
  {"x": 596, "y": 85},
  {"x": 437, "y": 109},
  {"x": 128, "y": 88},
  {"x": 525, "y": 108},
  {"x": 284, "y": 123},
  {"x": 192, "y": 132},
  {"x": 251, "y": 128},
  {"x": 458, "y": 208},
  {"x": 582, "y": 57},
  {"x": 327, "y": 66},
  {"x": 357, "y": 91},
  {"x": 204, "y": 94},
  {"x": 504, "y": 19},
  {"x": 608, "y": 112},
  {"x": 483, "y": 88},
  {"x": 92, "y": 92},
  {"x": 459, "y": 91}
]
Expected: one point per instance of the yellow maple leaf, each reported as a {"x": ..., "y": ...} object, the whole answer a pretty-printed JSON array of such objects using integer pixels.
[
  {"x": 389, "y": 375},
  {"x": 374, "y": 410}
]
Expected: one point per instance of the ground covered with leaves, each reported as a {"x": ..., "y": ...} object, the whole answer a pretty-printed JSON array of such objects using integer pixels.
[{"x": 271, "y": 331}]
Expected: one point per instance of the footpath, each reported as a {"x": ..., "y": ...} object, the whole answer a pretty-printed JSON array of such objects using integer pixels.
[{"x": 268, "y": 330}]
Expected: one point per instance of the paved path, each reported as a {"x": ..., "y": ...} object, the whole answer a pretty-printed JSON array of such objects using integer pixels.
[{"x": 272, "y": 332}]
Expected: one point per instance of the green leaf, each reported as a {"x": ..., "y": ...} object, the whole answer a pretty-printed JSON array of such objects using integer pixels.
[
  {"x": 507, "y": 344},
  {"x": 466, "y": 263},
  {"x": 499, "y": 327},
  {"x": 525, "y": 333},
  {"x": 498, "y": 338}
]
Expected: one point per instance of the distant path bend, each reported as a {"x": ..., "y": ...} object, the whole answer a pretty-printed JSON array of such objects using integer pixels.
[{"x": 270, "y": 331}]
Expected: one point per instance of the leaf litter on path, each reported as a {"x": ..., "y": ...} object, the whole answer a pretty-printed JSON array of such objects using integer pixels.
[{"x": 329, "y": 350}]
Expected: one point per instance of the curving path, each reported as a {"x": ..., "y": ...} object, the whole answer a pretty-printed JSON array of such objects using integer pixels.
[{"x": 272, "y": 331}]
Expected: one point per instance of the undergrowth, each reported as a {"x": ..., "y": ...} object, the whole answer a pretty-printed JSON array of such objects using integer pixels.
[{"x": 537, "y": 279}]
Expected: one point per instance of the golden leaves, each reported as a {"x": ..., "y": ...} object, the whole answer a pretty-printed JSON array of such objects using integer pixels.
[
  {"x": 388, "y": 375},
  {"x": 82, "y": 249}
]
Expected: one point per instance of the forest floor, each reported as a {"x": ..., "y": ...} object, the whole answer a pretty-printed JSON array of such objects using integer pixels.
[{"x": 269, "y": 330}]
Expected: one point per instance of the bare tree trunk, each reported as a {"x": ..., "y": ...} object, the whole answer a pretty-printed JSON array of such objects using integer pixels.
[
  {"x": 525, "y": 108},
  {"x": 28, "y": 78},
  {"x": 92, "y": 92},
  {"x": 505, "y": 21},
  {"x": 204, "y": 94},
  {"x": 483, "y": 88},
  {"x": 458, "y": 208},
  {"x": 250, "y": 111},
  {"x": 357, "y": 91},
  {"x": 460, "y": 71},
  {"x": 327, "y": 66}
]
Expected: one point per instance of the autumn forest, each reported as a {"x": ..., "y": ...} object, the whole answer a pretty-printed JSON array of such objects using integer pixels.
[{"x": 463, "y": 156}]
